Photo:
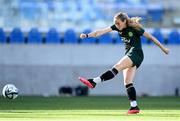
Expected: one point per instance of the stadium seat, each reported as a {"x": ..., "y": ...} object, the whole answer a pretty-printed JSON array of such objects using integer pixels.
[
  {"x": 173, "y": 37},
  {"x": 99, "y": 14},
  {"x": 157, "y": 33},
  {"x": 144, "y": 40},
  {"x": 89, "y": 40},
  {"x": 34, "y": 36},
  {"x": 105, "y": 39},
  {"x": 155, "y": 12},
  {"x": 29, "y": 9},
  {"x": 117, "y": 38},
  {"x": 70, "y": 36},
  {"x": 52, "y": 36},
  {"x": 16, "y": 36},
  {"x": 2, "y": 36}
]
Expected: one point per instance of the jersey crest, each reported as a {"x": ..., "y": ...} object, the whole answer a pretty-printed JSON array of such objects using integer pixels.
[{"x": 130, "y": 34}]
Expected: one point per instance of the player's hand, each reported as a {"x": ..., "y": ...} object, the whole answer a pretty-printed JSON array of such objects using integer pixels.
[
  {"x": 82, "y": 36},
  {"x": 166, "y": 50}
]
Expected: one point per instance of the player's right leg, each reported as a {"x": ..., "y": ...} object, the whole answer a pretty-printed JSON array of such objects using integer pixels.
[
  {"x": 125, "y": 62},
  {"x": 129, "y": 74}
]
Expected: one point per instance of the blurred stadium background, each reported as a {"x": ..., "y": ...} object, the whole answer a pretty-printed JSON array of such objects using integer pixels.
[{"x": 42, "y": 54}]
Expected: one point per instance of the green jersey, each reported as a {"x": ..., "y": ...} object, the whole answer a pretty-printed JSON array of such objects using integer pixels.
[
  {"x": 130, "y": 37},
  {"x": 132, "y": 41}
]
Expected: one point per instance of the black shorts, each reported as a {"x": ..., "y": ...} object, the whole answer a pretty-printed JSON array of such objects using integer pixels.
[{"x": 136, "y": 55}]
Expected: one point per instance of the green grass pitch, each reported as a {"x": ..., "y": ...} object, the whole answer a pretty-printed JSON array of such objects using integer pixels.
[{"x": 98, "y": 108}]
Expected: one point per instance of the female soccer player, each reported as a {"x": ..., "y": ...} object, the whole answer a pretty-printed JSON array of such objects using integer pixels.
[{"x": 130, "y": 30}]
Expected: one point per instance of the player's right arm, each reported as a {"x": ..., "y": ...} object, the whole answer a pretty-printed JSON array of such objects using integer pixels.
[{"x": 96, "y": 33}]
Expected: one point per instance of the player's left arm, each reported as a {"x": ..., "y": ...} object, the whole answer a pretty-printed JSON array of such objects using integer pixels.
[{"x": 152, "y": 38}]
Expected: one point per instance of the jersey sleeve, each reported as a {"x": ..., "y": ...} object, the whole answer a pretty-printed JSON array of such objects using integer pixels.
[
  {"x": 140, "y": 31},
  {"x": 114, "y": 28}
]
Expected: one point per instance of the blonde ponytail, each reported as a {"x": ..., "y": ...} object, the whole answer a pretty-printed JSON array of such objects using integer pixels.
[
  {"x": 136, "y": 19},
  {"x": 132, "y": 22}
]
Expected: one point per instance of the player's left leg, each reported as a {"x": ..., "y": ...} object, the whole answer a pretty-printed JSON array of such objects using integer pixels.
[{"x": 129, "y": 74}]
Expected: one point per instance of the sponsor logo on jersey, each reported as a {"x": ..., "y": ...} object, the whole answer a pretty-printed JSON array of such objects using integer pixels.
[
  {"x": 125, "y": 40},
  {"x": 120, "y": 32}
]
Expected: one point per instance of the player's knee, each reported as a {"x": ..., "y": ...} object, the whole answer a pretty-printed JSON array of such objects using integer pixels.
[{"x": 119, "y": 67}]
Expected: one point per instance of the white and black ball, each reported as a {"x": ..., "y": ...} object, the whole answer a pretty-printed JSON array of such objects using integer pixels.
[{"x": 10, "y": 91}]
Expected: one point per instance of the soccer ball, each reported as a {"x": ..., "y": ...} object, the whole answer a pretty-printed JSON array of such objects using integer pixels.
[{"x": 10, "y": 91}]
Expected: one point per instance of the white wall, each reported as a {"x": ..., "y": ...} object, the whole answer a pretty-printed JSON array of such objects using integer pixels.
[{"x": 42, "y": 69}]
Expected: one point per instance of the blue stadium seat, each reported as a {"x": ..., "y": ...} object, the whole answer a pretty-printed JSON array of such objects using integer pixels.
[
  {"x": 156, "y": 13},
  {"x": 16, "y": 36},
  {"x": 144, "y": 40},
  {"x": 174, "y": 37},
  {"x": 99, "y": 14},
  {"x": 70, "y": 36},
  {"x": 118, "y": 39},
  {"x": 105, "y": 39},
  {"x": 157, "y": 33},
  {"x": 52, "y": 36},
  {"x": 90, "y": 40},
  {"x": 2, "y": 36},
  {"x": 34, "y": 36},
  {"x": 29, "y": 9}
]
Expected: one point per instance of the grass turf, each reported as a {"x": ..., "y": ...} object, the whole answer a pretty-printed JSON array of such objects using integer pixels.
[{"x": 102, "y": 108}]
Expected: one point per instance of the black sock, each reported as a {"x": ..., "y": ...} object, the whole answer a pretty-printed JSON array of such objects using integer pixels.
[
  {"x": 131, "y": 92},
  {"x": 109, "y": 74}
]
